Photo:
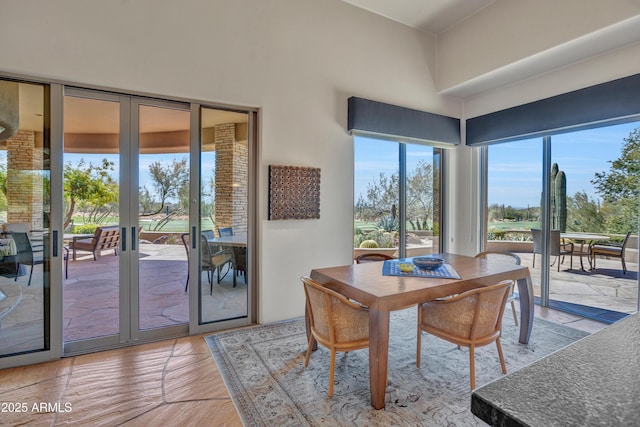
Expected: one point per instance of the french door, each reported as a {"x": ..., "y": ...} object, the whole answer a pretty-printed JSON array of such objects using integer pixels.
[{"x": 126, "y": 168}]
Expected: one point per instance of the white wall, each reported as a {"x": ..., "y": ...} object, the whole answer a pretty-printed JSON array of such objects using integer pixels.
[
  {"x": 298, "y": 60},
  {"x": 508, "y": 32}
]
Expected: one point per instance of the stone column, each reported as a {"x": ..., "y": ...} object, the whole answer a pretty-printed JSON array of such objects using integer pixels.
[
  {"x": 231, "y": 179},
  {"x": 25, "y": 189}
]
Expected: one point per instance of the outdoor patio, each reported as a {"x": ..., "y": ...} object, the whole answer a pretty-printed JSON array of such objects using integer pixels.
[{"x": 91, "y": 297}]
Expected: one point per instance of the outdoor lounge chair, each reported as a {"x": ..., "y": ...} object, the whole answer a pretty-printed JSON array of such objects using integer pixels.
[
  {"x": 611, "y": 251},
  {"x": 103, "y": 238}
]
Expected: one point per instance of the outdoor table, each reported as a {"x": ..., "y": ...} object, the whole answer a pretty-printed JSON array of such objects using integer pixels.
[
  {"x": 366, "y": 284},
  {"x": 583, "y": 238}
]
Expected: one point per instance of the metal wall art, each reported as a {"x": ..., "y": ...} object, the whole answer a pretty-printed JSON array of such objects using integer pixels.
[{"x": 294, "y": 192}]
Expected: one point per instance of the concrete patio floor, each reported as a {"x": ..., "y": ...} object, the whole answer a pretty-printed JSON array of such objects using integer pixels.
[{"x": 91, "y": 298}]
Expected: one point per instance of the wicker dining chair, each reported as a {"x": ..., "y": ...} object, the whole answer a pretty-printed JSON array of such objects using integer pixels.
[
  {"x": 337, "y": 323},
  {"x": 506, "y": 257},
  {"x": 372, "y": 257},
  {"x": 470, "y": 319}
]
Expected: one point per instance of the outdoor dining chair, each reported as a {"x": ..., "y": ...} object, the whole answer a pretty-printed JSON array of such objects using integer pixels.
[
  {"x": 470, "y": 319},
  {"x": 25, "y": 253},
  {"x": 337, "y": 323},
  {"x": 611, "y": 251},
  {"x": 556, "y": 247},
  {"x": 506, "y": 257}
]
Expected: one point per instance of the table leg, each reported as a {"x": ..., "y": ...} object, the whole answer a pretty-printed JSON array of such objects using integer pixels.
[
  {"x": 378, "y": 355},
  {"x": 525, "y": 291}
]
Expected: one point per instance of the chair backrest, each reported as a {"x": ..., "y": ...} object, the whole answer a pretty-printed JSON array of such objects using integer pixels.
[
  {"x": 225, "y": 232},
  {"x": 106, "y": 237},
  {"x": 186, "y": 241},
  {"x": 334, "y": 318},
  {"x": 372, "y": 257},
  {"x": 205, "y": 251},
  {"x": 554, "y": 241},
  {"x": 625, "y": 241},
  {"x": 499, "y": 256},
  {"x": 476, "y": 314},
  {"x": 209, "y": 234},
  {"x": 23, "y": 247}
]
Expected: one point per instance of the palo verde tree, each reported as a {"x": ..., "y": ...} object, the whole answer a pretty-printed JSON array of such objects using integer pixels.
[
  {"x": 620, "y": 187},
  {"x": 168, "y": 181},
  {"x": 90, "y": 185}
]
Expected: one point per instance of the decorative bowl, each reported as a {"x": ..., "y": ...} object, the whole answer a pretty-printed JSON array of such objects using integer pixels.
[
  {"x": 406, "y": 267},
  {"x": 428, "y": 262}
]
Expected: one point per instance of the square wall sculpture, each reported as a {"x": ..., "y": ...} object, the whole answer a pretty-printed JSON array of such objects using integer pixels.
[{"x": 294, "y": 192}]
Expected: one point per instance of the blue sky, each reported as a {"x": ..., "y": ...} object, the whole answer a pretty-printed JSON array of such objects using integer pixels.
[{"x": 515, "y": 169}]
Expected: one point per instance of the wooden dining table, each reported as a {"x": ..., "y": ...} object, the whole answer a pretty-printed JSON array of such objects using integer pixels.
[{"x": 366, "y": 284}]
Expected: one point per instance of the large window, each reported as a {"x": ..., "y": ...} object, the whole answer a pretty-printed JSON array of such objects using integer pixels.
[
  {"x": 396, "y": 198},
  {"x": 589, "y": 184}
]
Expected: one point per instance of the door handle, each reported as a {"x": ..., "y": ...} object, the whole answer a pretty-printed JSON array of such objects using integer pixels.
[
  {"x": 193, "y": 237},
  {"x": 133, "y": 238},
  {"x": 54, "y": 237},
  {"x": 123, "y": 234}
]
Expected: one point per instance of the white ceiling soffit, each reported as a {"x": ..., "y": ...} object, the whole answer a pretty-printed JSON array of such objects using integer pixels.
[
  {"x": 619, "y": 35},
  {"x": 430, "y": 16}
]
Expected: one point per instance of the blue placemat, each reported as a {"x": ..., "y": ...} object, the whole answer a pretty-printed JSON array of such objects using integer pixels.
[{"x": 445, "y": 271}]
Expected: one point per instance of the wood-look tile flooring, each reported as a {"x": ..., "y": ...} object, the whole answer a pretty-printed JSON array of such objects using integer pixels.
[{"x": 169, "y": 383}]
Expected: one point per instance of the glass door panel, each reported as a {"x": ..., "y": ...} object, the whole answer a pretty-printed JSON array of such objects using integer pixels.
[
  {"x": 224, "y": 190},
  {"x": 514, "y": 189},
  {"x": 24, "y": 215},
  {"x": 91, "y": 288},
  {"x": 163, "y": 216},
  {"x": 595, "y": 202},
  {"x": 376, "y": 197},
  {"x": 422, "y": 200}
]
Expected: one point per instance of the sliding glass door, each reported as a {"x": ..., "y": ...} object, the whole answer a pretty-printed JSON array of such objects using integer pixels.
[
  {"x": 581, "y": 190},
  {"x": 25, "y": 201},
  {"x": 397, "y": 198},
  {"x": 123, "y": 220}
]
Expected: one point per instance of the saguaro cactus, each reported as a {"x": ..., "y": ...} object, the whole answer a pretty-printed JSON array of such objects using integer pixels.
[{"x": 558, "y": 199}]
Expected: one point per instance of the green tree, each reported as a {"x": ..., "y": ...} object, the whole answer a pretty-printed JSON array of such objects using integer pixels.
[
  {"x": 169, "y": 181},
  {"x": 420, "y": 196},
  {"x": 583, "y": 214},
  {"x": 620, "y": 187},
  {"x": 89, "y": 185}
]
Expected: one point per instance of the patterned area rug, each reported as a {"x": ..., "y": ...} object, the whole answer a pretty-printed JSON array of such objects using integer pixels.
[{"x": 263, "y": 369}]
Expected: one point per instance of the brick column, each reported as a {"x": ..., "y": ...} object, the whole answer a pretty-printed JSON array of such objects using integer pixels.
[
  {"x": 25, "y": 196},
  {"x": 231, "y": 179}
]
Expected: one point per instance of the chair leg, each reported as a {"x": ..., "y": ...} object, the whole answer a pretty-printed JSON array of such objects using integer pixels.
[
  {"x": 624, "y": 266},
  {"x": 513, "y": 311},
  {"x": 419, "y": 338},
  {"x": 534, "y": 261},
  {"x": 186, "y": 286},
  {"x": 501, "y": 356},
  {"x": 332, "y": 366},
  {"x": 472, "y": 366},
  {"x": 312, "y": 341},
  {"x": 30, "y": 274}
]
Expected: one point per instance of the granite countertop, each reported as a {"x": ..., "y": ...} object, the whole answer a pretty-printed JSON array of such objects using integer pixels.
[{"x": 592, "y": 382}]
